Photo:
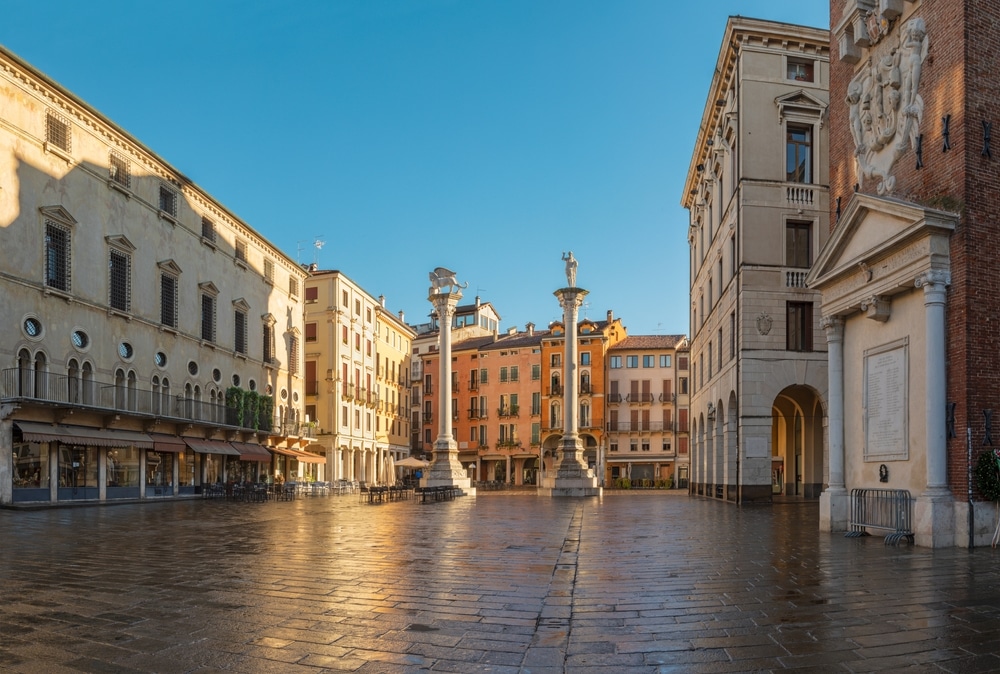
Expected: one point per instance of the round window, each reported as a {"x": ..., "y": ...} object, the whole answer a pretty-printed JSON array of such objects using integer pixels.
[
  {"x": 236, "y": 380},
  {"x": 80, "y": 339},
  {"x": 192, "y": 368},
  {"x": 295, "y": 396},
  {"x": 284, "y": 394},
  {"x": 252, "y": 385},
  {"x": 125, "y": 351},
  {"x": 32, "y": 327},
  {"x": 268, "y": 390},
  {"x": 160, "y": 359},
  {"x": 216, "y": 375}
]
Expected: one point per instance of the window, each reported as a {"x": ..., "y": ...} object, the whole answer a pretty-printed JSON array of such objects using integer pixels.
[
  {"x": 616, "y": 362},
  {"x": 357, "y": 342},
  {"x": 513, "y": 372},
  {"x": 240, "y": 329},
  {"x": 293, "y": 286},
  {"x": 483, "y": 377},
  {"x": 682, "y": 362},
  {"x": 645, "y": 445},
  {"x": 536, "y": 372},
  {"x": 269, "y": 271},
  {"x": 357, "y": 307},
  {"x": 556, "y": 360},
  {"x": 312, "y": 294},
  {"x": 503, "y": 374},
  {"x": 799, "y": 326},
  {"x": 343, "y": 298},
  {"x": 310, "y": 332},
  {"x": 665, "y": 361},
  {"x": 57, "y": 256},
  {"x": 119, "y": 170},
  {"x": 208, "y": 317},
  {"x": 119, "y": 280},
  {"x": 241, "y": 251},
  {"x": 732, "y": 335},
  {"x": 585, "y": 358},
  {"x": 682, "y": 385},
  {"x": 649, "y": 361},
  {"x": 168, "y": 201},
  {"x": 208, "y": 230},
  {"x": 798, "y": 244},
  {"x": 58, "y": 131},
  {"x": 801, "y": 71},
  {"x": 631, "y": 361},
  {"x": 536, "y": 403},
  {"x": 268, "y": 343},
  {"x": 293, "y": 354},
  {"x": 613, "y": 447},
  {"x": 343, "y": 334},
  {"x": 798, "y": 154}
]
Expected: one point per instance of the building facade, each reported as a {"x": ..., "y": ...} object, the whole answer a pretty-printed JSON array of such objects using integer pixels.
[
  {"x": 642, "y": 411},
  {"x": 757, "y": 195},
  {"x": 908, "y": 275},
  {"x": 394, "y": 340},
  {"x": 154, "y": 340}
]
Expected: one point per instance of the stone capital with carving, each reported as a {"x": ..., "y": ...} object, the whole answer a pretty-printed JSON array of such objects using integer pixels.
[
  {"x": 833, "y": 326},
  {"x": 876, "y": 307},
  {"x": 934, "y": 277}
]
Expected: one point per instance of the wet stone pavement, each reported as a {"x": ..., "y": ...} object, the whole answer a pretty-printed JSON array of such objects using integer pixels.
[{"x": 636, "y": 582}]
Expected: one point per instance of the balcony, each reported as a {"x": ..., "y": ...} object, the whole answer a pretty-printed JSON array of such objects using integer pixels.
[
  {"x": 349, "y": 392},
  {"x": 473, "y": 385},
  {"x": 585, "y": 389},
  {"x": 505, "y": 412},
  {"x": 428, "y": 417},
  {"x": 474, "y": 414},
  {"x": 91, "y": 394},
  {"x": 639, "y": 397},
  {"x": 796, "y": 278},
  {"x": 615, "y": 398},
  {"x": 800, "y": 196},
  {"x": 668, "y": 397},
  {"x": 555, "y": 390}
]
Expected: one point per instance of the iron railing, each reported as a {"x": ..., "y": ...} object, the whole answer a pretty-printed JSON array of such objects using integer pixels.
[{"x": 888, "y": 509}]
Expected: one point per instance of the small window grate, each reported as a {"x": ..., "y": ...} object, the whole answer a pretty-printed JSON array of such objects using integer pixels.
[
  {"x": 293, "y": 355},
  {"x": 119, "y": 170},
  {"x": 208, "y": 230},
  {"x": 57, "y": 256},
  {"x": 293, "y": 287},
  {"x": 269, "y": 271},
  {"x": 57, "y": 131},
  {"x": 241, "y": 250},
  {"x": 268, "y": 343},
  {"x": 119, "y": 280},
  {"x": 168, "y": 201}
]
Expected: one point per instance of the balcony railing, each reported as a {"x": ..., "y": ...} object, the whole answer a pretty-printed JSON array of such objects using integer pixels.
[
  {"x": 637, "y": 426},
  {"x": 507, "y": 411},
  {"x": 800, "y": 195},
  {"x": 473, "y": 385},
  {"x": 639, "y": 397},
  {"x": 428, "y": 418},
  {"x": 474, "y": 414},
  {"x": 796, "y": 278},
  {"x": 585, "y": 389},
  {"x": 615, "y": 398},
  {"x": 47, "y": 387},
  {"x": 555, "y": 390}
]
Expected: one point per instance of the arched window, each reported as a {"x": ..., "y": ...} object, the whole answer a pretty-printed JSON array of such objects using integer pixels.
[
  {"x": 73, "y": 382},
  {"x": 40, "y": 383},
  {"x": 87, "y": 383},
  {"x": 133, "y": 392},
  {"x": 166, "y": 408},
  {"x": 584, "y": 415},
  {"x": 119, "y": 389},
  {"x": 585, "y": 382},
  {"x": 155, "y": 402},
  {"x": 24, "y": 377},
  {"x": 555, "y": 418},
  {"x": 556, "y": 388}
]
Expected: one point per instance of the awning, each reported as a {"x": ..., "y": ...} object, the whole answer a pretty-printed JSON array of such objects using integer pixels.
[
  {"x": 211, "y": 447},
  {"x": 251, "y": 452},
  {"x": 80, "y": 435},
  {"x": 304, "y": 457},
  {"x": 168, "y": 443}
]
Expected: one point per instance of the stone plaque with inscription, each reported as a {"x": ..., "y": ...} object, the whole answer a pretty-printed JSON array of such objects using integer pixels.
[{"x": 885, "y": 402}]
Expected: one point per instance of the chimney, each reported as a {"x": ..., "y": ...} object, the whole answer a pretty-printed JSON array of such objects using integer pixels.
[
  {"x": 611, "y": 316},
  {"x": 401, "y": 319},
  {"x": 530, "y": 327},
  {"x": 477, "y": 300},
  {"x": 381, "y": 301},
  {"x": 512, "y": 330}
]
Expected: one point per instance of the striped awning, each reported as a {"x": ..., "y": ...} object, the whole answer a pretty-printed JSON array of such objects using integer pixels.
[
  {"x": 211, "y": 447},
  {"x": 82, "y": 435}
]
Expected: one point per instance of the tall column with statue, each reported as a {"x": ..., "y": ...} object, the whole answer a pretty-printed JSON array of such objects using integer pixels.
[
  {"x": 445, "y": 469},
  {"x": 572, "y": 477}
]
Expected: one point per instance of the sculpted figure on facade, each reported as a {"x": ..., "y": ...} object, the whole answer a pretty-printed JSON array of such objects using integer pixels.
[{"x": 885, "y": 108}]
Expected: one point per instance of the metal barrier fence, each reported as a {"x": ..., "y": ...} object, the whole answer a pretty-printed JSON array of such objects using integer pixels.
[{"x": 887, "y": 509}]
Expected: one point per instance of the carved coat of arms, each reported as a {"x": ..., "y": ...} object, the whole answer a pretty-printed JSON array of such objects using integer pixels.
[{"x": 885, "y": 108}]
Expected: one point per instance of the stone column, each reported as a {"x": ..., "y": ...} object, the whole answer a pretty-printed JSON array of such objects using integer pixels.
[
  {"x": 445, "y": 469},
  {"x": 572, "y": 477},
  {"x": 934, "y": 525},
  {"x": 833, "y": 502}
]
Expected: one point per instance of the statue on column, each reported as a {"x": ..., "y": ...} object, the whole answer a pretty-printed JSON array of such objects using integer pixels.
[{"x": 570, "y": 269}]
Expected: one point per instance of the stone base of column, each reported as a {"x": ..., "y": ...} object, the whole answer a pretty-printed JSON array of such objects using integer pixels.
[
  {"x": 571, "y": 482},
  {"x": 834, "y": 510},
  {"x": 447, "y": 470},
  {"x": 934, "y": 519}
]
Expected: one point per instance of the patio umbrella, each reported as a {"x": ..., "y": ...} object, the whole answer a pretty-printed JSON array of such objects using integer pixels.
[
  {"x": 412, "y": 462},
  {"x": 388, "y": 471}
]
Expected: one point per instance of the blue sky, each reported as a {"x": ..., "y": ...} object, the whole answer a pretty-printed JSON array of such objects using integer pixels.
[{"x": 487, "y": 136}]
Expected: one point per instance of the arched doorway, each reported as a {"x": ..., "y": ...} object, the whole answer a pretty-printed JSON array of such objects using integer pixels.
[{"x": 797, "y": 443}]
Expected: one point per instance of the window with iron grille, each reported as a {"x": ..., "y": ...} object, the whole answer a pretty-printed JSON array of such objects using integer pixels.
[
  {"x": 168, "y": 300},
  {"x": 120, "y": 280},
  {"x": 119, "y": 170},
  {"x": 241, "y": 251},
  {"x": 58, "y": 131},
  {"x": 57, "y": 256},
  {"x": 293, "y": 287},
  {"x": 168, "y": 201},
  {"x": 269, "y": 271},
  {"x": 293, "y": 354},
  {"x": 268, "y": 352},
  {"x": 208, "y": 230},
  {"x": 240, "y": 326},
  {"x": 207, "y": 317}
]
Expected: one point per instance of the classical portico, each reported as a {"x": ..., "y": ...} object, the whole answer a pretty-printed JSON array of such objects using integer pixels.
[{"x": 886, "y": 350}]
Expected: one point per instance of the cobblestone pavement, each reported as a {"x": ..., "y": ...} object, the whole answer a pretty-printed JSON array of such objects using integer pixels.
[{"x": 637, "y": 582}]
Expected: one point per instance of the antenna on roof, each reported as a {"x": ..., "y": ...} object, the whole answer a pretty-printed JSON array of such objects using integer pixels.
[
  {"x": 318, "y": 244},
  {"x": 586, "y": 307}
]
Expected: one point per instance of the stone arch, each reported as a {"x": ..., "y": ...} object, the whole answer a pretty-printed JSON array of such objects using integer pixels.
[{"x": 797, "y": 417}]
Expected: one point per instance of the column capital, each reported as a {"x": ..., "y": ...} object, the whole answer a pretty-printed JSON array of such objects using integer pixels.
[
  {"x": 933, "y": 277},
  {"x": 834, "y": 327}
]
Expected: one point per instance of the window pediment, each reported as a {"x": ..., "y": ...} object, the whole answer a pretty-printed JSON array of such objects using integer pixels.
[
  {"x": 209, "y": 288},
  {"x": 241, "y": 305},
  {"x": 800, "y": 105},
  {"x": 169, "y": 266},
  {"x": 121, "y": 242},
  {"x": 59, "y": 214}
]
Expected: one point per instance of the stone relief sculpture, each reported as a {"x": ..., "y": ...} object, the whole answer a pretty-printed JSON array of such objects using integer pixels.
[
  {"x": 444, "y": 281},
  {"x": 885, "y": 109},
  {"x": 570, "y": 269}
]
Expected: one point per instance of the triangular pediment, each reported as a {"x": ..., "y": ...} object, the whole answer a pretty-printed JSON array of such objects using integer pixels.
[
  {"x": 209, "y": 288},
  {"x": 800, "y": 104},
  {"x": 241, "y": 305},
  {"x": 59, "y": 214},
  {"x": 169, "y": 266},
  {"x": 121, "y": 242},
  {"x": 878, "y": 246}
]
